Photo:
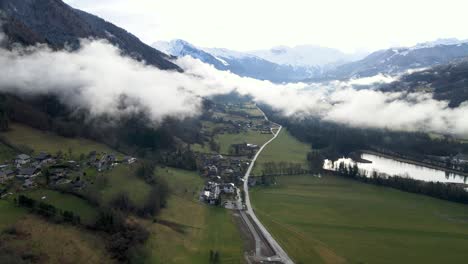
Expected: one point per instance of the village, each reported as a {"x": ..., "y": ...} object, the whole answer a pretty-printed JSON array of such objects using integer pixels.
[
  {"x": 26, "y": 172},
  {"x": 224, "y": 173}
]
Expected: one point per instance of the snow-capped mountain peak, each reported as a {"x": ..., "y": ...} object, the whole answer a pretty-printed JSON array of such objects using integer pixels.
[
  {"x": 439, "y": 42},
  {"x": 243, "y": 64}
]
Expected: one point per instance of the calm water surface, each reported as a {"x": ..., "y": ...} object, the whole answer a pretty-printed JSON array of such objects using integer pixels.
[{"x": 394, "y": 167}]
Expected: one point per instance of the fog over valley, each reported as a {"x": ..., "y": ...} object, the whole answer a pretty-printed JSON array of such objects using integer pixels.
[
  {"x": 86, "y": 78},
  {"x": 248, "y": 132}
]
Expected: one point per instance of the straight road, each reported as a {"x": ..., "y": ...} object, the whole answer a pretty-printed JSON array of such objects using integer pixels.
[{"x": 281, "y": 255}]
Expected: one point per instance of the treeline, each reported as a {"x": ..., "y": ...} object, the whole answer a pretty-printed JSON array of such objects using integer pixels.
[
  {"x": 47, "y": 210},
  {"x": 283, "y": 168},
  {"x": 445, "y": 191},
  {"x": 336, "y": 140},
  {"x": 124, "y": 234},
  {"x": 133, "y": 133},
  {"x": 182, "y": 158}
]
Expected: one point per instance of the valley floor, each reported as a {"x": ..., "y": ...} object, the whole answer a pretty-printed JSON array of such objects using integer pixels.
[
  {"x": 187, "y": 230},
  {"x": 336, "y": 220},
  {"x": 331, "y": 219}
]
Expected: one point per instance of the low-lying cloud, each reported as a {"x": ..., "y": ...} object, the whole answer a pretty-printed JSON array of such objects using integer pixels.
[{"x": 96, "y": 77}]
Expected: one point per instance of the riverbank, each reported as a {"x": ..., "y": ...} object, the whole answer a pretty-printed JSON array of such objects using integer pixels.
[{"x": 412, "y": 161}]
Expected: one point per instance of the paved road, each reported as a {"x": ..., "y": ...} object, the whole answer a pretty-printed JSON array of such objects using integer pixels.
[{"x": 281, "y": 255}]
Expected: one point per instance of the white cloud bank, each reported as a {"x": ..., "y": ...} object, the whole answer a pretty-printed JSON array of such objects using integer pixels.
[{"x": 96, "y": 76}]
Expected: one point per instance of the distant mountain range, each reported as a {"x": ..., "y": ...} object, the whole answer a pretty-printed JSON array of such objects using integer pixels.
[
  {"x": 312, "y": 63},
  {"x": 243, "y": 64},
  {"x": 57, "y": 24},
  {"x": 398, "y": 60},
  {"x": 307, "y": 55}
]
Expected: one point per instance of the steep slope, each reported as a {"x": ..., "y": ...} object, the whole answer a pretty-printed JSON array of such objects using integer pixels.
[
  {"x": 242, "y": 64},
  {"x": 398, "y": 60},
  {"x": 57, "y": 24},
  {"x": 446, "y": 82},
  {"x": 180, "y": 48}
]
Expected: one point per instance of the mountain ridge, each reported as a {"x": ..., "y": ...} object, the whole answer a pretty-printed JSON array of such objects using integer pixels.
[
  {"x": 57, "y": 24},
  {"x": 395, "y": 61},
  {"x": 243, "y": 64}
]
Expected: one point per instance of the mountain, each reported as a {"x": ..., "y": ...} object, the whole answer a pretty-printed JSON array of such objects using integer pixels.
[
  {"x": 240, "y": 63},
  {"x": 446, "y": 82},
  {"x": 307, "y": 55},
  {"x": 180, "y": 48},
  {"x": 57, "y": 24},
  {"x": 398, "y": 60}
]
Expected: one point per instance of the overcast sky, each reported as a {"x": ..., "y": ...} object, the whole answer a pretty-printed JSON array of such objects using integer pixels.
[{"x": 261, "y": 24}]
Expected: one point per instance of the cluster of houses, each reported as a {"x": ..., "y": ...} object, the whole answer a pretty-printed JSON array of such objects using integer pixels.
[
  {"x": 222, "y": 173},
  {"x": 457, "y": 162},
  {"x": 25, "y": 169},
  {"x": 212, "y": 191},
  {"x": 244, "y": 149},
  {"x": 460, "y": 159},
  {"x": 218, "y": 167}
]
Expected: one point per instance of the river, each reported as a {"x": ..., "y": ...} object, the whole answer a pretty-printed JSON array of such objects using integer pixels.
[{"x": 394, "y": 167}]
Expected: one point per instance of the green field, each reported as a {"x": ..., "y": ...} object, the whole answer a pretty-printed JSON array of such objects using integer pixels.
[
  {"x": 123, "y": 179},
  {"x": 201, "y": 148},
  {"x": 9, "y": 214},
  {"x": 6, "y": 153},
  {"x": 251, "y": 137},
  {"x": 336, "y": 220},
  {"x": 191, "y": 229},
  {"x": 45, "y": 141},
  {"x": 67, "y": 202},
  {"x": 52, "y": 243},
  {"x": 284, "y": 148}
]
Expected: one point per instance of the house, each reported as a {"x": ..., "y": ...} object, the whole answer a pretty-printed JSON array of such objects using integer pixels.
[
  {"x": 210, "y": 193},
  {"x": 92, "y": 155},
  {"x": 229, "y": 188},
  {"x": 461, "y": 158},
  {"x": 211, "y": 170},
  {"x": 228, "y": 172},
  {"x": 28, "y": 183},
  {"x": 28, "y": 173},
  {"x": 6, "y": 175},
  {"x": 60, "y": 172},
  {"x": 22, "y": 159},
  {"x": 217, "y": 157},
  {"x": 244, "y": 149},
  {"x": 129, "y": 160},
  {"x": 43, "y": 156},
  {"x": 106, "y": 161}
]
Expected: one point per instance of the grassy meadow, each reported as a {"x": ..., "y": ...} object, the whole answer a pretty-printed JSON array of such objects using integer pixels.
[
  {"x": 6, "y": 153},
  {"x": 9, "y": 214},
  {"x": 251, "y": 137},
  {"x": 284, "y": 148},
  {"x": 123, "y": 179},
  {"x": 68, "y": 202},
  {"x": 38, "y": 140},
  {"x": 53, "y": 243},
  {"x": 336, "y": 220},
  {"x": 188, "y": 229}
]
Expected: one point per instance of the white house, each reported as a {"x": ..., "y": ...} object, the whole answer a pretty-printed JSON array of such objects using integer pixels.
[{"x": 22, "y": 159}]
